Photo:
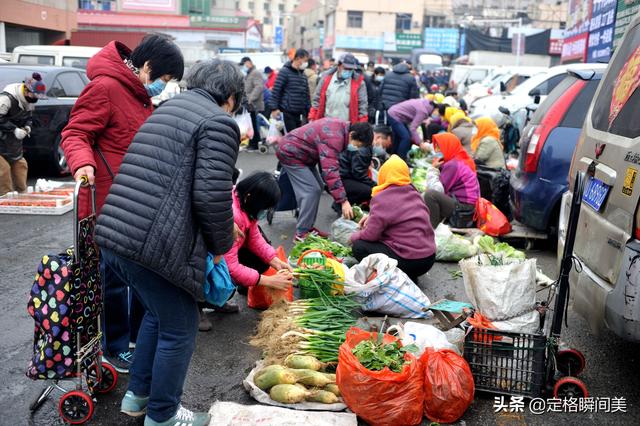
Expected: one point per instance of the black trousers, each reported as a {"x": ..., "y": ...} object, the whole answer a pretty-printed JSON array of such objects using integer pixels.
[
  {"x": 255, "y": 141},
  {"x": 357, "y": 192},
  {"x": 412, "y": 267},
  {"x": 291, "y": 121}
]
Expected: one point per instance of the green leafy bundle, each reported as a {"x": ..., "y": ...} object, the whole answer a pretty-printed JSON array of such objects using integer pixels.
[
  {"x": 375, "y": 355},
  {"x": 313, "y": 242}
]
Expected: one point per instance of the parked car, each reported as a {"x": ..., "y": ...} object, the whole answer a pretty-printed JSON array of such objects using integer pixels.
[
  {"x": 533, "y": 90},
  {"x": 64, "y": 85},
  {"x": 62, "y": 56},
  {"x": 606, "y": 290},
  {"x": 546, "y": 147},
  {"x": 475, "y": 74},
  {"x": 504, "y": 77}
]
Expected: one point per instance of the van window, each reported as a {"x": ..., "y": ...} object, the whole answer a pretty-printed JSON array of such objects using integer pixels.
[
  {"x": 548, "y": 85},
  {"x": 75, "y": 62},
  {"x": 36, "y": 60},
  {"x": 578, "y": 109},
  {"x": 626, "y": 123},
  {"x": 476, "y": 75},
  {"x": 555, "y": 94}
]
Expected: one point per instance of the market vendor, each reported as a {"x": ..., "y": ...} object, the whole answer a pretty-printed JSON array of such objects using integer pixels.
[
  {"x": 251, "y": 255},
  {"x": 405, "y": 118},
  {"x": 456, "y": 197},
  {"x": 403, "y": 234},
  {"x": 300, "y": 151}
]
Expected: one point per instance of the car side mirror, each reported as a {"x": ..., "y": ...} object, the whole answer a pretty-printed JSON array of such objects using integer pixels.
[
  {"x": 503, "y": 87},
  {"x": 536, "y": 100},
  {"x": 535, "y": 92}
]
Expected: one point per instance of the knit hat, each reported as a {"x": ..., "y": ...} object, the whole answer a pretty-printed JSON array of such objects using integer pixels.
[{"x": 36, "y": 86}]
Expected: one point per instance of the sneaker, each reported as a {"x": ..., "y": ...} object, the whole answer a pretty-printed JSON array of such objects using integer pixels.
[
  {"x": 122, "y": 362},
  {"x": 319, "y": 233},
  {"x": 249, "y": 149},
  {"x": 183, "y": 417},
  {"x": 133, "y": 405},
  {"x": 227, "y": 308},
  {"x": 299, "y": 237},
  {"x": 204, "y": 324}
]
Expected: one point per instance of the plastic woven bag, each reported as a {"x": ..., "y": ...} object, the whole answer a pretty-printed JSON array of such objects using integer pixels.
[
  {"x": 490, "y": 219},
  {"x": 259, "y": 297},
  {"x": 383, "y": 397},
  {"x": 448, "y": 385},
  {"x": 218, "y": 286}
]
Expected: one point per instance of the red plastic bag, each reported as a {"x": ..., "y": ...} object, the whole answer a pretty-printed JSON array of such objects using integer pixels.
[
  {"x": 380, "y": 398},
  {"x": 448, "y": 385},
  {"x": 261, "y": 297},
  {"x": 490, "y": 219}
]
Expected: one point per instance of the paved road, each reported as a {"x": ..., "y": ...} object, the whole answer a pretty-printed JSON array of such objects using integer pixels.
[{"x": 223, "y": 357}]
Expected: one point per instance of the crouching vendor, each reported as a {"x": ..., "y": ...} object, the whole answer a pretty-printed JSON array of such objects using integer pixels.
[
  {"x": 251, "y": 255},
  {"x": 398, "y": 224}
]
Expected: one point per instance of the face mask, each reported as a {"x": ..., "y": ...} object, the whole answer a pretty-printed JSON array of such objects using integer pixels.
[
  {"x": 155, "y": 88},
  {"x": 474, "y": 131},
  {"x": 378, "y": 150},
  {"x": 31, "y": 100},
  {"x": 304, "y": 65},
  {"x": 245, "y": 70},
  {"x": 369, "y": 73},
  {"x": 262, "y": 215},
  {"x": 346, "y": 74},
  {"x": 439, "y": 155},
  {"x": 352, "y": 148},
  {"x": 379, "y": 78}
]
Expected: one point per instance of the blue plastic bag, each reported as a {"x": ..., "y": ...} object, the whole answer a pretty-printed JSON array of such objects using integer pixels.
[{"x": 218, "y": 286}]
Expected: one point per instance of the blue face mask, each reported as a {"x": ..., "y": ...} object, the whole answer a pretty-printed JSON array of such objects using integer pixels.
[
  {"x": 262, "y": 215},
  {"x": 155, "y": 88},
  {"x": 378, "y": 150},
  {"x": 352, "y": 148},
  {"x": 379, "y": 78},
  {"x": 245, "y": 70},
  {"x": 346, "y": 74}
]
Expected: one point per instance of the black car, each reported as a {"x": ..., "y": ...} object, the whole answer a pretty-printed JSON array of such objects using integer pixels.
[{"x": 64, "y": 85}]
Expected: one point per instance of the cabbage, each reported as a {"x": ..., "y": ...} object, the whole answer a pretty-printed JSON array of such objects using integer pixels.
[
  {"x": 451, "y": 247},
  {"x": 488, "y": 245}
]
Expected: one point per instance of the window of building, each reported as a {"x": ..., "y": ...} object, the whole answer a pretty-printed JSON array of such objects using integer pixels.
[
  {"x": 252, "y": 5},
  {"x": 266, "y": 6},
  {"x": 267, "y": 20},
  {"x": 281, "y": 7},
  {"x": 403, "y": 21},
  {"x": 238, "y": 5},
  {"x": 354, "y": 19},
  {"x": 281, "y": 21}
]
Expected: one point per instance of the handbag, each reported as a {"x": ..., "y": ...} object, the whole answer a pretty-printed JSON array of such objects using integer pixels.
[
  {"x": 218, "y": 287},
  {"x": 463, "y": 215}
]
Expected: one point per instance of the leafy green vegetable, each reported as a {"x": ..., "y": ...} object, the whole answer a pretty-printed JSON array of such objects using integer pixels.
[
  {"x": 313, "y": 242},
  {"x": 357, "y": 214},
  {"x": 489, "y": 246},
  {"x": 419, "y": 179},
  {"x": 375, "y": 355}
]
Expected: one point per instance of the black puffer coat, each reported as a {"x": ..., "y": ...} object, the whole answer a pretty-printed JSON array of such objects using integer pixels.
[
  {"x": 171, "y": 201},
  {"x": 398, "y": 86},
  {"x": 291, "y": 91}
]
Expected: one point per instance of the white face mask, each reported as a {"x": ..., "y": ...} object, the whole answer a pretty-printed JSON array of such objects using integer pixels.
[{"x": 304, "y": 65}]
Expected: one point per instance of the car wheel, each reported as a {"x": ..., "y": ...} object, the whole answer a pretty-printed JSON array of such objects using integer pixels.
[{"x": 58, "y": 161}]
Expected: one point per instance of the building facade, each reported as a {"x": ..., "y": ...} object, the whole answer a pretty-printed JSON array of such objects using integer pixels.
[
  {"x": 274, "y": 15},
  {"x": 24, "y": 22}
]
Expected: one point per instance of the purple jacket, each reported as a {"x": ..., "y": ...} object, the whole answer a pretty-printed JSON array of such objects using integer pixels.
[
  {"x": 407, "y": 230},
  {"x": 320, "y": 141},
  {"x": 412, "y": 113},
  {"x": 460, "y": 181}
]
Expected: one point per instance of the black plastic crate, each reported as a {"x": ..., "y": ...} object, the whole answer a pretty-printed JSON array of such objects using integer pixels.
[{"x": 507, "y": 363}]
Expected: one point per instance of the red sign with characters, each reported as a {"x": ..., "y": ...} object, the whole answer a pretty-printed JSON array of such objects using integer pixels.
[
  {"x": 575, "y": 48},
  {"x": 555, "y": 46}
]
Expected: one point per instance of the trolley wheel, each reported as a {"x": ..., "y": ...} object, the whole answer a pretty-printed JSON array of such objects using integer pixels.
[
  {"x": 76, "y": 407},
  {"x": 42, "y": 397},
  {"x": 263, "y": 149},
  {"x": 108, "y": 379},
  {"x": 570, "y": 362},
  {"x": 570, "y": 387},
  {"x": 270, "y": 214}
]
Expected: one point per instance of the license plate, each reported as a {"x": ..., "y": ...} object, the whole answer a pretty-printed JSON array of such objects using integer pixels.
[{"x": 595, "y": 194}]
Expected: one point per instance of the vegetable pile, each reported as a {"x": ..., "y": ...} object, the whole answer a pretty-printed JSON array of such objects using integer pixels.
[
  {"x": 489, "y": 246},
  {"x": 299, "y": 379},
  {"x": 313, "y": 242},
  {"x": 375, "y": 355},
  {"x": 419, "y": 179},
  {"x": 318, "y": 281},
  {"x": 315, "y": 327}
]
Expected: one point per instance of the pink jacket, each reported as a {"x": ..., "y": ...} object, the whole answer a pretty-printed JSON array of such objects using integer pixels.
[{"x": 252, "y": 240}]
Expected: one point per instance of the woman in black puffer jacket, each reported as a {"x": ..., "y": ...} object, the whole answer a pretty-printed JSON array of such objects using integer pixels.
[{"x": 169, "y": 206}]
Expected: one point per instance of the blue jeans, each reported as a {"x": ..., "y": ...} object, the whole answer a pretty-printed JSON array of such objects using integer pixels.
[
  {"x": 166, "y": 339},
  {"x": 122, "y": 312},
  {"x": 401, "y": 137}
]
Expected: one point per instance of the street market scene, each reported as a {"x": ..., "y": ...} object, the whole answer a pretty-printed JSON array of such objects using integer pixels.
[{"x": 319, "y": 212}]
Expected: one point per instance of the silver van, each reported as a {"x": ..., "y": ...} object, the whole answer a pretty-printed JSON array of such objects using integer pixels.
[{"x": 605, "y": 285}]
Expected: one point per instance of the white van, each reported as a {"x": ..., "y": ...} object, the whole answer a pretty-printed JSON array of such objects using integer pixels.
[{"x": 62, "y": 56}]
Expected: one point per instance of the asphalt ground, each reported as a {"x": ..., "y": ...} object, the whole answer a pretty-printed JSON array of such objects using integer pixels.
[{"x": 223, "y": 357}]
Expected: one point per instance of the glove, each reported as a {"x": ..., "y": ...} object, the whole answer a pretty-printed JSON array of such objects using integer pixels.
[
  {"x": 28, "y": 130},
  {"x": 20, "y": 133}
]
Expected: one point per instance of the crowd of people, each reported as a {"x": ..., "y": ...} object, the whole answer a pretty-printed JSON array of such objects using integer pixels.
[{"x": 167, "y": 196}]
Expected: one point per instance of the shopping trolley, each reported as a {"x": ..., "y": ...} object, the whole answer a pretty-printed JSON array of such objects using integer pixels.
[
  {"x": 66, "y": 305},
  {"x": 533, "y": 365}
]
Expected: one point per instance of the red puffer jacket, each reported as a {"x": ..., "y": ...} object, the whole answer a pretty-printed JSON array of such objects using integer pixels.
[{"x": 107, "y": 115}]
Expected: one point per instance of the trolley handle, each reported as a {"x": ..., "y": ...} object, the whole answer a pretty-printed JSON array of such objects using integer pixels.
[{"x": 82, "y": 182}]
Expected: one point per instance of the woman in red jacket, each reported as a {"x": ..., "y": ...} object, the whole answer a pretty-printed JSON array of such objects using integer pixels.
[{"x": 103, "y": 122}]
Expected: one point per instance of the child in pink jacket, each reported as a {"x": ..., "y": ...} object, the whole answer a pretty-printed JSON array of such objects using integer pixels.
[{"x": 251, "y": 255}]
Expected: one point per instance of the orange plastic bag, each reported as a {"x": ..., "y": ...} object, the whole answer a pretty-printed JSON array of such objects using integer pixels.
[
  {"x": 261, "y": 298},
  {"x": 448, "y": 385},
  {"x": 481, "y": 322},
  {"x": 380, "y": 398},
  {"x": 490, "y": 219}
]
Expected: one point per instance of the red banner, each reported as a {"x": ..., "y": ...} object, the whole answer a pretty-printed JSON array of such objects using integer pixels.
[
  {"x": 575, "y": 48},
  {"x": 555, "y": 46}
]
